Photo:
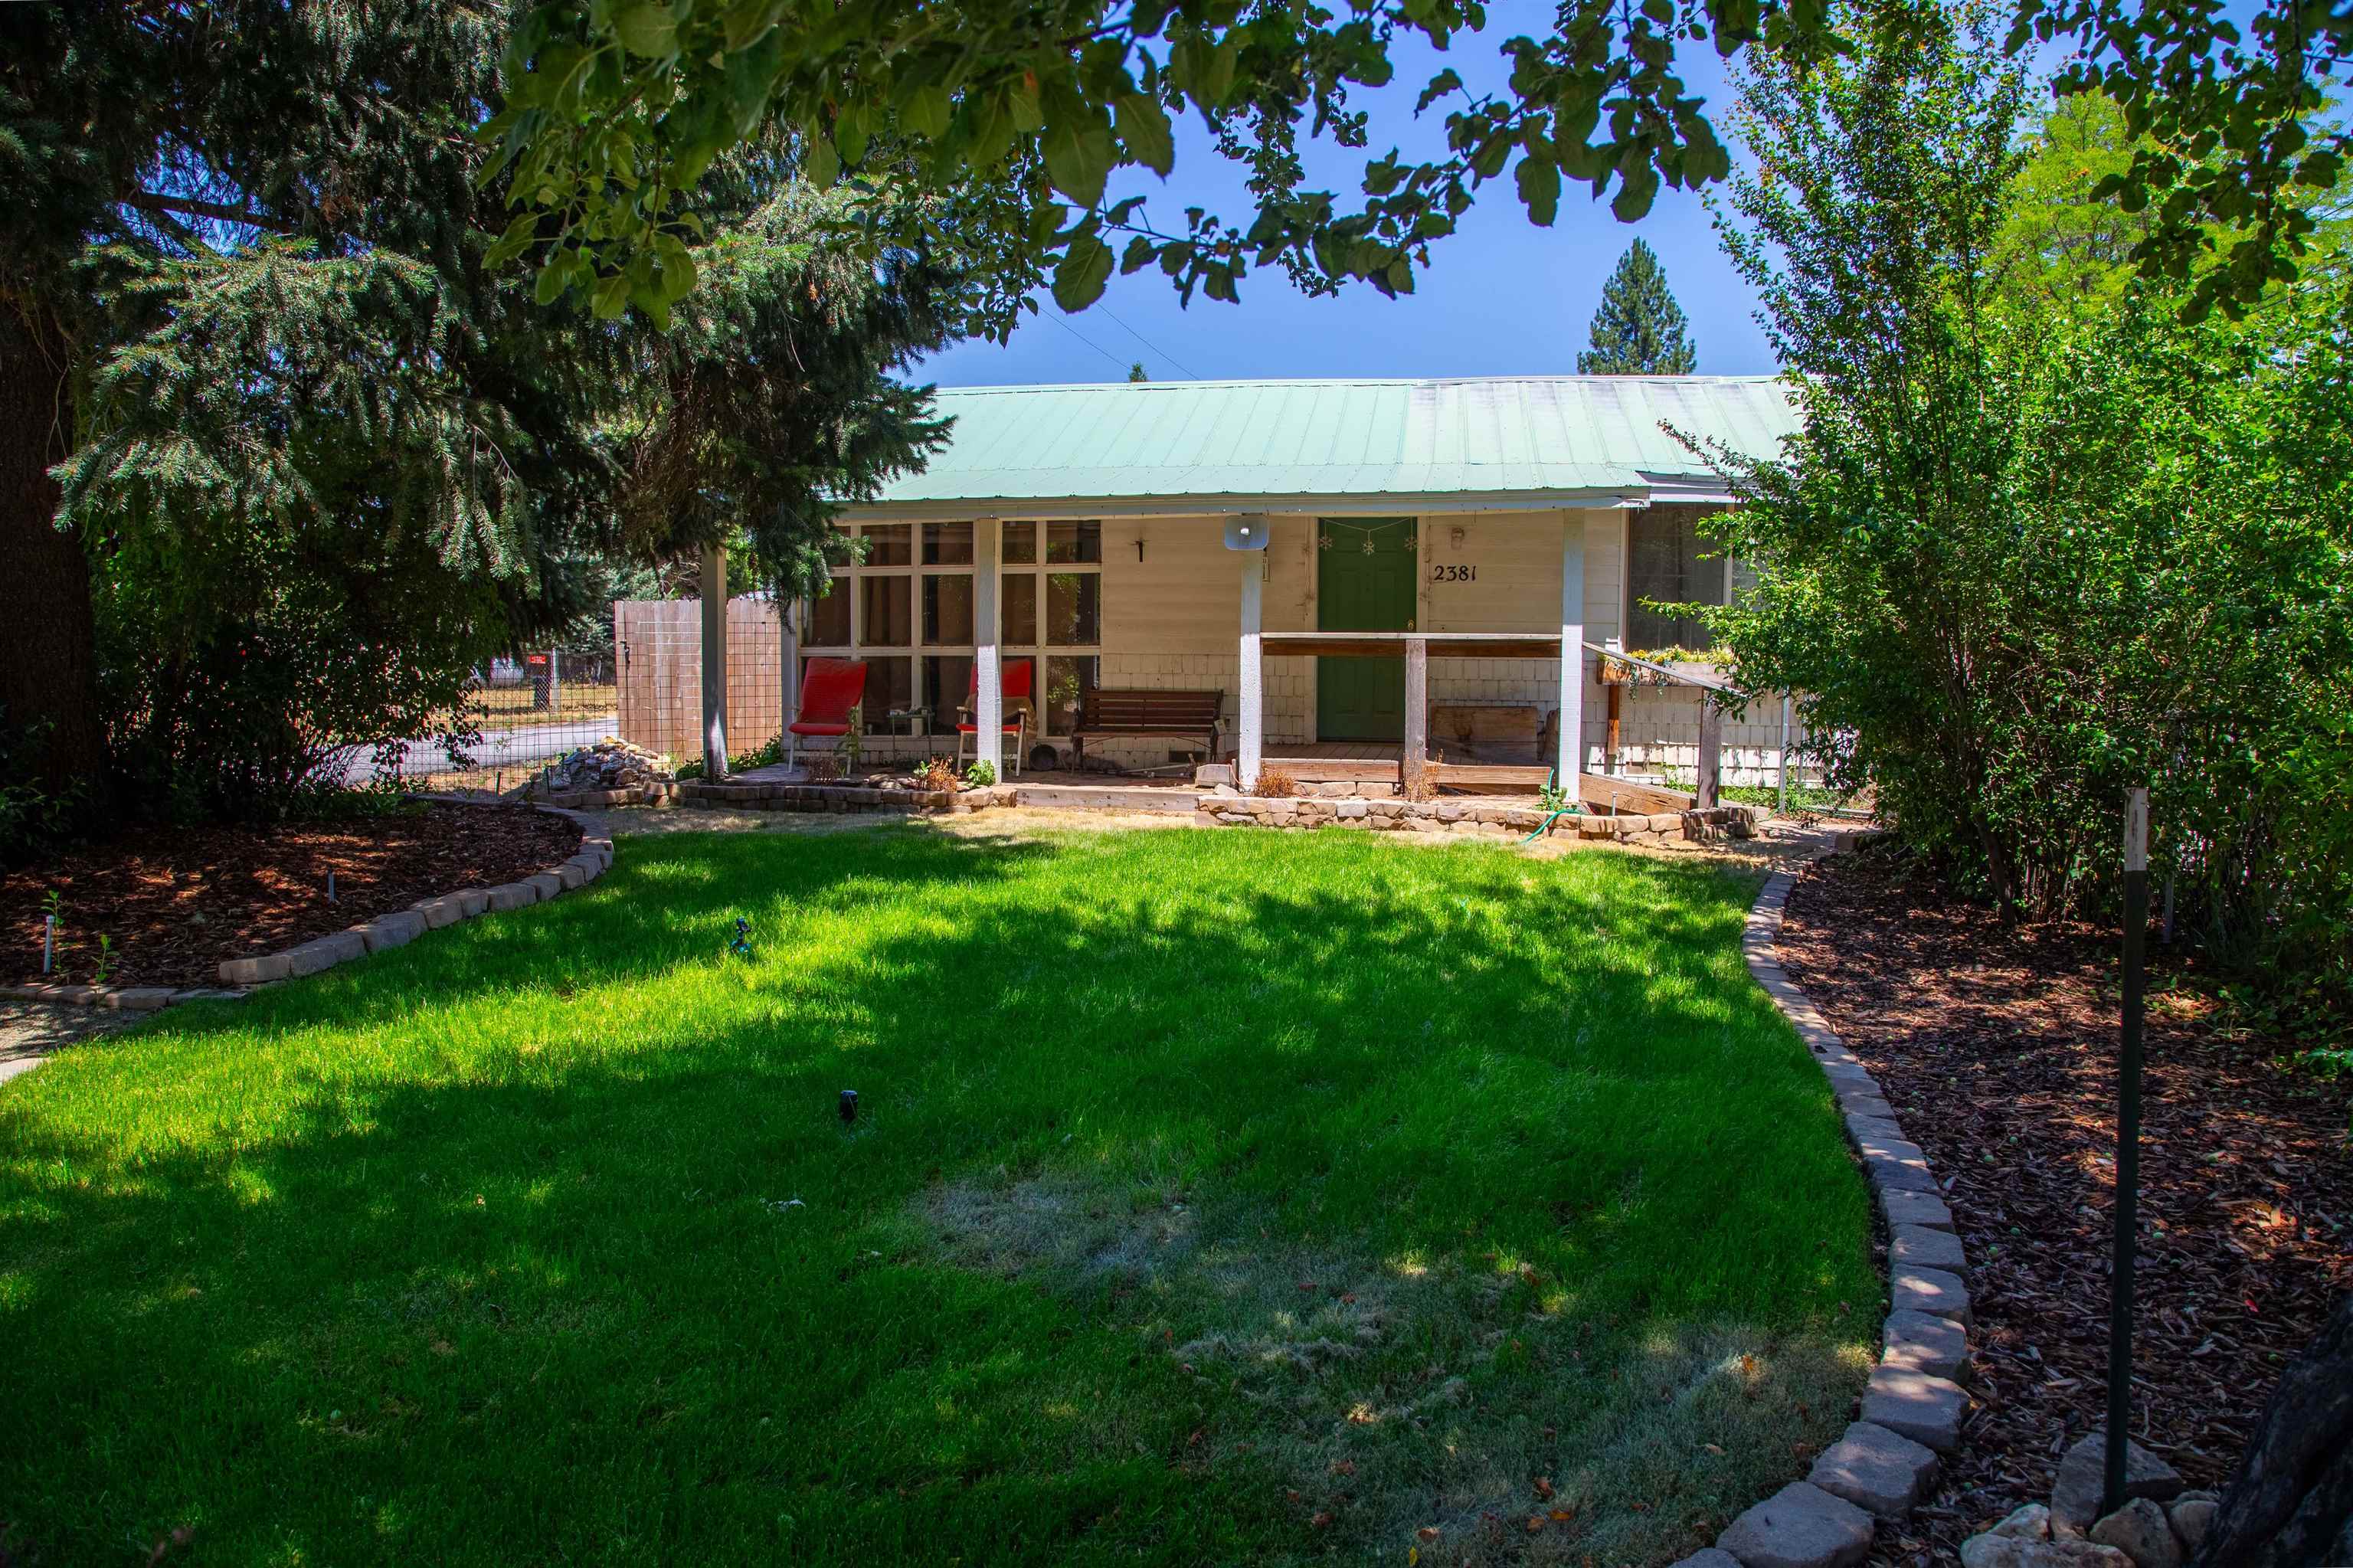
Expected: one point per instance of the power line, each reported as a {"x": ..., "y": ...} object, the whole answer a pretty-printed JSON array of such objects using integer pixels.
[
  {"x": 1150, "y": 344},
  {"x": 1083, "y": 337}
]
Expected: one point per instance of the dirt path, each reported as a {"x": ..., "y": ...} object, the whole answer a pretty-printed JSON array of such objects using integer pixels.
[{"x": 29, "y": 1031}]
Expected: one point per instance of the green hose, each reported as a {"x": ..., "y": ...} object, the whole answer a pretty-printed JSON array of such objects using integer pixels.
[{"x": 1552, "y": 782}]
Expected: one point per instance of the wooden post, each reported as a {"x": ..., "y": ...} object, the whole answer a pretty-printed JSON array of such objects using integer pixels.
[
  {"x": 1251, "y": 698},
  {"x": 714, "y": 662},
  {"x": 788, "y": 655},
  {"x": 1415, "y": 766},
  {"x": 988, "y": 717},
  {"x": 1710, "y": 750},
  {"x": 1611, "y": 744},
  {"x": 1571, "y": 760}
]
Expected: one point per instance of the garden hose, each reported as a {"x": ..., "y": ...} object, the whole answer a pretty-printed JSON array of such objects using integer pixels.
[{"x": 1552, "y": 782}]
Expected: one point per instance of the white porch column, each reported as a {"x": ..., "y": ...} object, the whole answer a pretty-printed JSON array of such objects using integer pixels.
[
  {"x": 988, "y": 715},
  {"x": 1572, "y": 650},
  {"x": 714, "y": 662},
  {"x": 1251, "y": 744}
]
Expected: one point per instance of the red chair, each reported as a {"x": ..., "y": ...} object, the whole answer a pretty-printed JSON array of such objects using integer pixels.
[
  {"x": 829, "y": 689},
  {"x": 1013, "y": 709}
]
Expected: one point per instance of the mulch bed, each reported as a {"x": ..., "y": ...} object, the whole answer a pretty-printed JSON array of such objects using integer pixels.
[
  {"x": 1997, "y": 1048},
  {"x": 176, "y": 901}
]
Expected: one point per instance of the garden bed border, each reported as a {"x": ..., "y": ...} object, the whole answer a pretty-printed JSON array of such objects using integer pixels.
[
  {"x": 240, "y": 977},
  {"x": 1914, "y": 1404}
]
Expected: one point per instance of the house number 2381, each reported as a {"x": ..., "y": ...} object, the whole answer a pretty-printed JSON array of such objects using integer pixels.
[{"x": 1441, "y": 574}]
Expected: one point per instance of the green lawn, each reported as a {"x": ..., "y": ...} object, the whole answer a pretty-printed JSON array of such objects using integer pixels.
[{"x": 1213, "y": 1197}]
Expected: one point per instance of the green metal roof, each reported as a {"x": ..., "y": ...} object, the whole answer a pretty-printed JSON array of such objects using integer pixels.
[{"x": 1233, "y": 442}]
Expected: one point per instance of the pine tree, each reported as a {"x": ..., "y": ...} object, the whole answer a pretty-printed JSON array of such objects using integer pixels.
[
  {"x": 1136, "y": 372},
  {"x": 270, "y": 407},
  {"x": 1640, "y": 329}
]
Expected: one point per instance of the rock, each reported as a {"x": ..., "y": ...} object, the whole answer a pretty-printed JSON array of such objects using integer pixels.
[
  {"x": 1924, "y": 1342},
  {"x": 607, "y": 765},
  {"x": 2191, "y": 1516},
  {"x": 2028, "y": 1521},
  {"x": 257, "y": 970},
  {"x": 2139, "y": 1531},
  {"x": 1800, "y": 1526},
  {"x": 392, "y": 930},
  {"x": 1915, "y": 1406},
  {"x": 1930, "y": 1290},
  {"x": 324, "y": 953},
  {"x": 1877, "y": 1471},
  {"x": 2076, "y": 1493},
  {"x": 513, "y": 895},
  {"x": 1991, "y": 1550},
  {"x": 1709, "y": 1557},
  {"x": 1908, "y": 1208},
  {"x": 1917, "y": 1247}
]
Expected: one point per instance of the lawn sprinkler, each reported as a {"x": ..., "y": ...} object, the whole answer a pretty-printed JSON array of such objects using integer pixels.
[
  {"x": 741, "y": 946},
  {"x": 848, "y": 1106}
]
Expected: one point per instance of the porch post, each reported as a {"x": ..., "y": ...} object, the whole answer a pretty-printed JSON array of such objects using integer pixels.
[
  {"x": 1251, "y": 744},
  {"x": 1709, "y": 770},
  {"x": 714, "y": 662},
  {"x": 1572, "y": 651},
  {"x": 1415, "y": 757},
  {"x": 988, "y": 718},
  {"x": 788, "y": 658}
]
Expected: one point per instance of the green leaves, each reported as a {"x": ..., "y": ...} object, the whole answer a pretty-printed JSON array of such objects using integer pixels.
[
  {"x": 1085, "y": 268},
  {"x": 1145, "y": 130},
  {"x": 646, "y": 29}
]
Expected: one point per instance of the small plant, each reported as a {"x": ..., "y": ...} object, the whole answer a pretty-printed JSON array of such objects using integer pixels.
[
  {"x": 1274, "y": 783},
  {"x": 105, "y": 965},
  {"x": 980, "y": 774},
  {"x": 935, "y": 773},
  {"x": 1555, "y": 799},
  {"x": 853, "y": 747}
]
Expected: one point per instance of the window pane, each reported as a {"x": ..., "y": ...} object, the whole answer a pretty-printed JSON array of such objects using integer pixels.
[
  {"x": 948, "y": 682},
  {"x": 825, "y": 620},
  {"x": 947, "y": 544},
  {"x": 890, "y": 684},
  {"x": 1021, "y": 546},
  {"x": 1668, "y": 558},
  {"x": 947, "y": 609},
  {"x": 1065, "y": 680},
  {"x": 883, "y": 612},
  {"x": 1019, "y": 602},
  {"x": 886, "y": 545},
  {"x": 1072, "y": 601},
  {"x": 1073, "y": 542}
]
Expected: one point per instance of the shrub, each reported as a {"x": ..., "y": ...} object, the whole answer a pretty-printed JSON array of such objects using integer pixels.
[
  {"x": 1274, "y": 783},
  {"x": 935, "y": 773},
  {"x": 980, "y": 774}
]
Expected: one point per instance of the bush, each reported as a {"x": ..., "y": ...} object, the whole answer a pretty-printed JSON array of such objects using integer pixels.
[{"x": 2019, "y": 560}]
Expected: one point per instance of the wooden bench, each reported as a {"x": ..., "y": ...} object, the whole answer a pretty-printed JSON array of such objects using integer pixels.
[{"x": 1107, "y": 713}]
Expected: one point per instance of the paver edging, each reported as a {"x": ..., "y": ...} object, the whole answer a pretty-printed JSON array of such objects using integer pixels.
[
  {"x": 241, "y": 977},
  {"x": 1913, "y": 1408}
]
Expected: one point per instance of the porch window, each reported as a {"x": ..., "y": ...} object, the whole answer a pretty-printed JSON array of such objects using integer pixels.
[
  {"x": 1672, "y": 559},
  {"x": 914, "y": 623},
  {"x": 828, "y": 617},
  {"x": 885, "y": 618}
]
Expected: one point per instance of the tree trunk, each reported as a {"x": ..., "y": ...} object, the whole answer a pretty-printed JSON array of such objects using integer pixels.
[
  {"x": 2291, "y": 1502},
  {"x": 48, "y": 682}
]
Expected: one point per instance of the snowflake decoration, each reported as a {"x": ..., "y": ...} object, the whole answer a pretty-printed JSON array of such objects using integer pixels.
[{"x": 1323, "y": 541}]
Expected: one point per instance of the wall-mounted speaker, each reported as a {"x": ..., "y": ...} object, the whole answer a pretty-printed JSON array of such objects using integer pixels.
[{"x": 1249, "y": 532}]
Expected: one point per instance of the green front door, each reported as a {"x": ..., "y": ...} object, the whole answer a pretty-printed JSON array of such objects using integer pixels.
[{"x": 1364, "y": 582}]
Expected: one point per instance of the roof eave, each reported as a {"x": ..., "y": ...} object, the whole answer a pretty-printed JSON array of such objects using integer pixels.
[{"x": 1376, "y": 503}]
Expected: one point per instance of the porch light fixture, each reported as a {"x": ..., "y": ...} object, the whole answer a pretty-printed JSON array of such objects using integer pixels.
[{"x": 1248, "y": 532}]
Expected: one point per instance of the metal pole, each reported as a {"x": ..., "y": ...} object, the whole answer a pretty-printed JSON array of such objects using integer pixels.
[
  {"x": 556, "y": 682},
  {"x": 2120, "y": 1279}
]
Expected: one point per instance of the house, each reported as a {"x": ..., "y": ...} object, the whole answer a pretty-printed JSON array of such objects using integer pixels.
[{"x": 1313, "y": 552}]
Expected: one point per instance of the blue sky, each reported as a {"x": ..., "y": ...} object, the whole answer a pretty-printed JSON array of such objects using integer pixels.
[{"x": 1502, "y": 297}]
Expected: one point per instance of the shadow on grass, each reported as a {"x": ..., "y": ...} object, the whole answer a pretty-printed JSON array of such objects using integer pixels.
[{"x": 548, "y": 1242}]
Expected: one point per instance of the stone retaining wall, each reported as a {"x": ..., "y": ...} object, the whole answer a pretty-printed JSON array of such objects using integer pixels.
[
  {"x": 1912, "y": 1406},
  {"x": 1468, "y": 816},
  {"x": 757, "y": 797}
]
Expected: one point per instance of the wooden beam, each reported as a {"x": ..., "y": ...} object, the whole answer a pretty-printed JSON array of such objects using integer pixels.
[
  {"x": 1417, "y": 715},
  {"x": 1391, "y": 645}
]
